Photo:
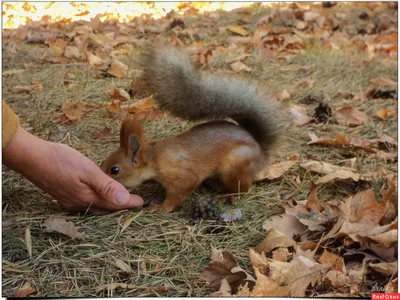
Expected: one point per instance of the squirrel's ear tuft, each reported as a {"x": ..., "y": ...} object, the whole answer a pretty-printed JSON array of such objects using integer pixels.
[{"x": 131, "y": 137}]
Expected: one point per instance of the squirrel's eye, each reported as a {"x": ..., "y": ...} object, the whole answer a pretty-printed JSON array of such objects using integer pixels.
[{"x": 114, "y": 170}]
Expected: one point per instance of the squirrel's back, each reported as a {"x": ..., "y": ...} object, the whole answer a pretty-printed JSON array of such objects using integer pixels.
[{"x": 189, "y": 94}]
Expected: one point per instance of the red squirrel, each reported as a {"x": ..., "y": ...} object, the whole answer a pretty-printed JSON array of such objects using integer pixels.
[{"x": 232, "y": 153}]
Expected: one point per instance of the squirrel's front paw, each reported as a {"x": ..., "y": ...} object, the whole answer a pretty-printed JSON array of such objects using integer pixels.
[{"x": 160, "y": 207}]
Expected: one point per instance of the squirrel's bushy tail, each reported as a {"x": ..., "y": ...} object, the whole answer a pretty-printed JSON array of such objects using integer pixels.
[{"x": 193, "y": 95}]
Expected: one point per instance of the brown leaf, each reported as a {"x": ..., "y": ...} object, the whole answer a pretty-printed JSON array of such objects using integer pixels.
[
  {"x": 239, "y": 66},
  {"x": 298, "y": 274},
  {"x": 299, "y": 115},
  {"x": 103, "y": 133},
  {"x": 94, "y": 61},
  {"x": 266, "y": 287},
  {"x": 64, "y": 227},
  {"x": 384, "y": 114},
  {"x": 385, "y": 267},
  {"x": 238, "y": 30},
  {"x": 34, "y": 88},
  {"x": 119, "y": 94},
  {"x": 113, "y": 107},
  {"x": 73, "y": 52},
  {"x": 386, "y": 239},
  {"x": 114, "y": 286},
  {"x": 323, "y": 167},
  {"x": 118, "y": 69},
  {"x": 312, "y": 200},
  {"x": 58, "y": 47},
  {"x": 280, "y": 254},
  {"x": 365, "y": 209},
  {"x": 220, "y": 267},
  {"x": 145, "y": 104},
  {"x": 26, "y": 290},
  {"x": 350, "y": 116},
  {"x": 274, "y": 239},
  {"x": 332, "y": 259},
  {"x": 275, "y": 171},
  {"x": 384, "y": 81},
  {"x": 73, "y": 110},
  {"x": 287, "y": 224},
  {"x": 341, "y": 174},
  {"x": 342, "y": 140}
]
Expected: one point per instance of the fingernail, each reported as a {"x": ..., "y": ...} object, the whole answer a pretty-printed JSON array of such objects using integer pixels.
[{"x": 120, "y": 198}]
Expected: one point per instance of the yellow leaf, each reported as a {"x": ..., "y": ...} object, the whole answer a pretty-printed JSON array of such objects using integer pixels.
[
  {"x": 239, "y": 30},
  {"x": 118, "y": 69}
]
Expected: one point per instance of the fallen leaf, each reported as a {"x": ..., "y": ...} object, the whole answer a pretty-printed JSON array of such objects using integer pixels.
[
  {"x": 58, "y": 47},
  {"x": 220, "y": 267},
  {"x": 289, "y": 225},
  {"x": 118, "y": 69},
  {"x": 26, "y": 290},
  {"x": 341, "y": 174},
  {"x": 113, "y": 107},
  {"x": 343, "y": 140},
  {"x": 274, "y": 239},
  {"x": 224, "y": 291},
  {"x": 145, "y": 104},
  {"x": 323, "y": 167},
  {"x": 62, "y": 226},
  {"x": 386, "y": 239},
  {"x": 239, "y": 66},
  {"x": 298, "y": 274},
  {"x": 119, "y": 94},
  {"x": 332, "y": 259},
  {"x": 73, "y": 110},
  {"x": 384, "y": 114},
  {"x": 266, "y": 287},
  {"x": 312, "y": 200},
  {"x": 283, "y": 95},
  {"x": 275, "y": 171},
  {"x": 299, "y": 115},
  {"x": 384, "y": 81},
  {"x": 385, "y": 267},
  {"x": 73, "y": 52},
  {"x": 238, "y": 30},
  {"x": 114, "y": 286},
  {"x": 349, "y": 116},
  {"x": 94, "y": 61},
  {"x": 280, "y": 254},
  {"x": 103, "y": 133},
  {"x": 28, "y": 241},
  {"x": 34, "y": 88}
]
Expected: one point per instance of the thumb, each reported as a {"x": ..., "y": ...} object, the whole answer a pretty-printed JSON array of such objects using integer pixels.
[{"x": 114, "y": 193}]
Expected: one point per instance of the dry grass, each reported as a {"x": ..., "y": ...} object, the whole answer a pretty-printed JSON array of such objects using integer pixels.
[{"x": 166, "y": 252}]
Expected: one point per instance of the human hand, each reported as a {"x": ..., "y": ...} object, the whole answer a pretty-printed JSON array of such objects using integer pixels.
[{"x": 75, "y": 181}]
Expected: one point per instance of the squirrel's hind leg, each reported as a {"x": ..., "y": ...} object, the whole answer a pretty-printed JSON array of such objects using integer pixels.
[{"x": 238, "y": 171}]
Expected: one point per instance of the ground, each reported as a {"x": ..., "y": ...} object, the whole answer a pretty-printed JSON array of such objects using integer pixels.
[{"x": 164, "y": 254}]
